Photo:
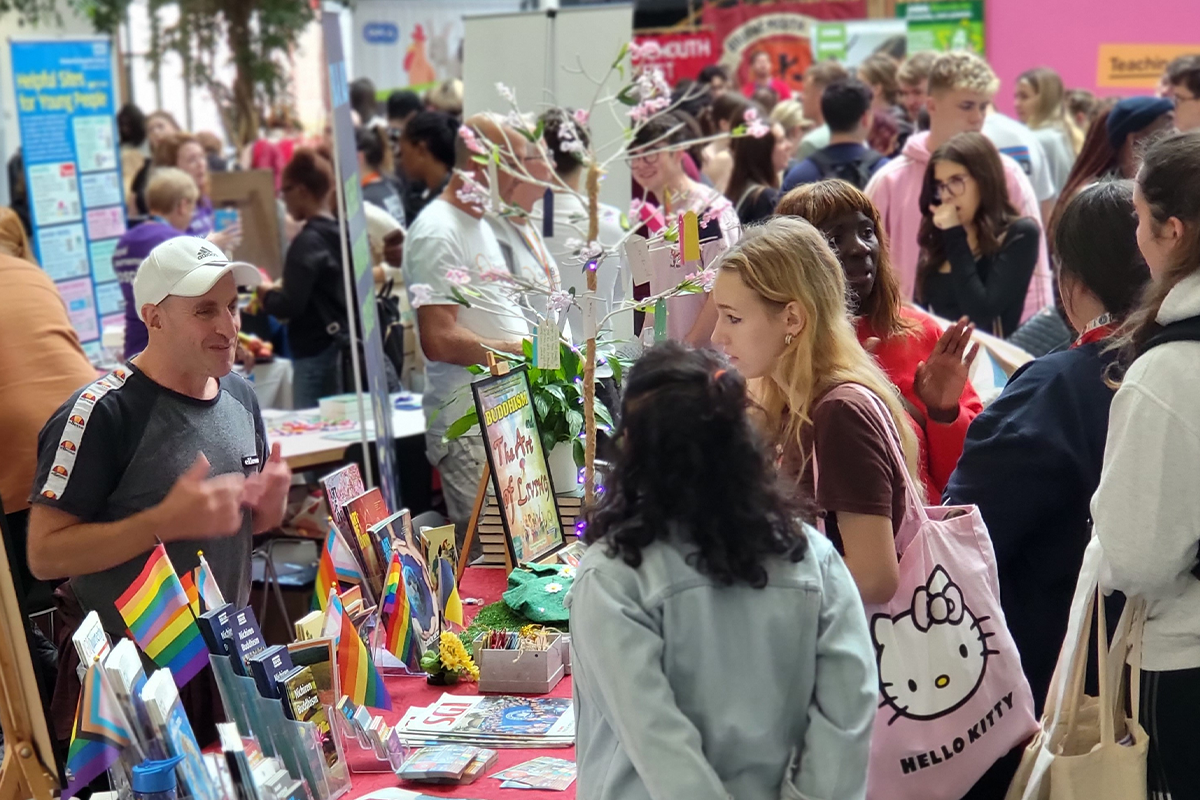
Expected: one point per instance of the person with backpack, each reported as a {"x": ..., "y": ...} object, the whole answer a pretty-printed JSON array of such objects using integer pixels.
[
  {"x": 1146, "y": 510},
  {"x": 846, "y": 105}
]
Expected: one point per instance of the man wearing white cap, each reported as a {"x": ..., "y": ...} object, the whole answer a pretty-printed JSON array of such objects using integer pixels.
[{"x": 169, "y": 447}]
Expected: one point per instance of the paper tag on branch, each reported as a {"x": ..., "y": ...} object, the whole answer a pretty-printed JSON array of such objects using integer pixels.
[
  {"x": 660, "y": 321},
  {"x": 545, "y": 345},
  {"x": 637, "y": 253},
  {"x": 690, "y": 236},
  {"x": 494, "y": 185},
  {"x": 589, "y": 303},
  {"x": 548, "y": 214}
]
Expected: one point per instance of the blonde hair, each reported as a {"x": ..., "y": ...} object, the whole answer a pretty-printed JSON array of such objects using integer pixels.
[
  {"x": 960, "y": 69},
  {"x": 167, "y": 186},
  {"x": 13, "y": 241},
  {"x": 447, "y": 96},
  {"x": 788, "y": 260},
  {"x": 1050, "y": 108},
  {"x": 789, "y": 114}
]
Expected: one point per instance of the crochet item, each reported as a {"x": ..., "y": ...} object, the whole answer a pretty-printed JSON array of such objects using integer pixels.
[{"x": 537, "y": 591}]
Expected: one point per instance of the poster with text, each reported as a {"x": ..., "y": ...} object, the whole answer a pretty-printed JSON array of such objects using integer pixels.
[
  {"x": 66, "y": 118},
  {"x": 783, "y": 30},
  {"x": 680, "y": 55},
  {"x": 952, "y": 25},
  {"x": 520, "y": 473}
]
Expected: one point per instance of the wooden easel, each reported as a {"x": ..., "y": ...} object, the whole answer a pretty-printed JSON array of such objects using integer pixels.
[
  {"x": 28, "y": 768},
  {"x": 496, "y": 367}
]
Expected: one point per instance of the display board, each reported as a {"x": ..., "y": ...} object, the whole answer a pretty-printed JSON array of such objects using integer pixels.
[
  {"x": 66, "y": 116},
  {"x": 356, "y": 257},
  {"x": 953, "y": 25},
  {"x": 520, "y": 472},
  {"x": 553, "y": 50},
  {"x": 853, "y": 41}
]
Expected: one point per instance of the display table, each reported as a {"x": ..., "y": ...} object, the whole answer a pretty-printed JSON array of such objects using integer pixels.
[
  {"x": 304, "y": 450},
  {"x": 487, "y": 585}
]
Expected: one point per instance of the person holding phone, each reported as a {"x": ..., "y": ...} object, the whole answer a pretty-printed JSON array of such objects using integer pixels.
[{"x": 977, "y": 252}]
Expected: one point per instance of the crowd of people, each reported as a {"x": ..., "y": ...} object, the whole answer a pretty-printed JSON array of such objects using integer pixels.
[{"x": 885, "y": 216}]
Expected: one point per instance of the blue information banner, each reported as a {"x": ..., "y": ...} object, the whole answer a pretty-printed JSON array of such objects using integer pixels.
[
  {"x": 355, "y": 231},
  {"x": 65, "y": 111}
]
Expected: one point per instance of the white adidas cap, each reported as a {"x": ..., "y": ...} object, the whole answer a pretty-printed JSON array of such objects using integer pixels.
[{"x": 186, "y": 266}]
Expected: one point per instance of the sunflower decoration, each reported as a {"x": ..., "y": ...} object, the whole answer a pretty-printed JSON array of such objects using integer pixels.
[{"x": 450, "y": 662}]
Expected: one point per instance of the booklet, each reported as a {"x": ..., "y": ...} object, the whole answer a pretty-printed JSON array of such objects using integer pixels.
[
  {"x": 166, "y": 712},
  {"x": 492, "y": 717},
  {"x": 541, "y": 773}
]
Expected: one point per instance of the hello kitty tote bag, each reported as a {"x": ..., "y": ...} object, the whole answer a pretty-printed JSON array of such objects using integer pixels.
[{"x": 952, "y": 695}]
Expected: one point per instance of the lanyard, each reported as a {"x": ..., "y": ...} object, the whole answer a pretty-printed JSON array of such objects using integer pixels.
[
  {"x": 535, "y": 248},
  {"x": 1101, "y": 327}
]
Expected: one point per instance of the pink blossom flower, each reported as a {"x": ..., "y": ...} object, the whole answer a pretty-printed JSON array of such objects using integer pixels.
[
  {"x": 757, "y": 129},
  {"x": 421, "y": 294},
  {"x": 592, "y": 250},
  {"x": 705, "y": 278},
  {"x": 469, "y": 139},
  {"x": 648, "y": 108},
  {"x": 458, "y": 276},
  {"x": 750, "y": 115},
  {"x": 559, "y": 301},
  {"x": 581, "y": 117},
  {"x": 506, "y": 92},
  {"x": 496, "y": 275},
  {"x": 713, "y": 212}
]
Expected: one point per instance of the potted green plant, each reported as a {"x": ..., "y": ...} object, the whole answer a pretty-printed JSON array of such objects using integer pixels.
[{"x": 558, "y": 405}]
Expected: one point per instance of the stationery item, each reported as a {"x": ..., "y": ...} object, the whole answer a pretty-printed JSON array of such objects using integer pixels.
[
  {"x": 206, "y": 584},
  {"x": 238, "y": 762},
  {"x": 548, "y": 213},
  {"x": 159, "y": 616},
  {"x": 311, "y": 624},
  {"x": 162, "y": 701},
  {"x": 556, "y": 774},
  {"x": 247, "y": 639},
  {"x": 690, "y": 238},
  {"x": 484, "y": 760},
  {"x": 546, "y": 353},
  {"x": 90, "y": 640},
  {"x": 267, "y": 668},
  {"x": 637, "y": 254},
  {"x": 660, "y": 321},
  {"x": 216, "y": 626},
  {"x": 318, "y": 656},
  {"x": 126, "y": 677},
  {"x": 440, "y": 763},
  {"x": 341, "y": 486},
  {"x": 99, "y": 734},
  {"x": 304, "y": 702}
]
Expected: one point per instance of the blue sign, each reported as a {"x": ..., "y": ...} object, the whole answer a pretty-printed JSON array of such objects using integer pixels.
[
  {"x": 355, "y": 230},
  {"x": 381, "y": 33},
  {"x": 65, "y": 113}
]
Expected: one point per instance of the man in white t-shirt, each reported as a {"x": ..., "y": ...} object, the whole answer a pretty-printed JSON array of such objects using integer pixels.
[
  {"x": 1017, "y": 142},
  {"x": 449, "y": 244}
]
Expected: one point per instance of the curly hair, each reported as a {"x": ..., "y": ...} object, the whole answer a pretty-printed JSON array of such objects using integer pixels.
[{"x": 691, "y": 465}]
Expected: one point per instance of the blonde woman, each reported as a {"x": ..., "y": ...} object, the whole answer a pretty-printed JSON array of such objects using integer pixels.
[
  {"x": 1041, "y": 104},
  {"x": 790, "y": 115},
  {"x": 781, "y": 300}
]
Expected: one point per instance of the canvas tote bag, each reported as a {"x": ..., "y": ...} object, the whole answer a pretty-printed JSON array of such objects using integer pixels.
[
  {"x": 1087, "y": 748},
  {"x": 953, "y": 697}
]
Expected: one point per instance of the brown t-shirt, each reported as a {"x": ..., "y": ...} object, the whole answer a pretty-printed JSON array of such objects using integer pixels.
[
  {"x": 856, "y": 467},
  {"x": 41, "y": 365}
]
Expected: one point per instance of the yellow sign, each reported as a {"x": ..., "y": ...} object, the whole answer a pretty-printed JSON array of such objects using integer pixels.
[{"x": 1137, "y": 66}]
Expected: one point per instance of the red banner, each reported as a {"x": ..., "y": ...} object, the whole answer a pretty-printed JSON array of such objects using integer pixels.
[
  {"x": 681, "y": 55},
  {"x": 784, "y": 30}
]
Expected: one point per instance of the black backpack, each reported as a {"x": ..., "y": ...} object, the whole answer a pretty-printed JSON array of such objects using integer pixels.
[{"x": 856, "y": 173}]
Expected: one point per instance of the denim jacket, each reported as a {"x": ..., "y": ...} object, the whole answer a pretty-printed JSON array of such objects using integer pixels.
[{"x": 685, "y": 688}]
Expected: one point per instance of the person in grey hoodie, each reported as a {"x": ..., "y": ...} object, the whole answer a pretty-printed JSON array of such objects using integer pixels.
[
  {"x": 1146, "y": 509},
  {"x": 719, "y": 645}
]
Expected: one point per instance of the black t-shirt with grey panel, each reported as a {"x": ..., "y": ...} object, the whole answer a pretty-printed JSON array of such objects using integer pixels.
[{"x": 118, "y": 445}]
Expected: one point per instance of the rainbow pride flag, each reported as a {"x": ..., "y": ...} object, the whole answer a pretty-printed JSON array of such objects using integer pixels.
[
  {"x": 337, "y": 563},
  {"x": 396, "y": 615},
  {"x": 359, "y": 678},
  {"x": 188, "y": 582},
  {"x": 98, "y": 735},
  {"x": 159, "y": 615}
]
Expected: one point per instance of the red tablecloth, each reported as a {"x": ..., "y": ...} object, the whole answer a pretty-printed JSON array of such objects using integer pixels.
[{"x": 488, "y": 585}]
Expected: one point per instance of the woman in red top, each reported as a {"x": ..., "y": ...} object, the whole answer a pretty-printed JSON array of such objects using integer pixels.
[{"x": 929, "y": 367}]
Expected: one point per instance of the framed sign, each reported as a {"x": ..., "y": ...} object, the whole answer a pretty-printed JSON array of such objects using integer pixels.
[{"x": 520, "y": 473}]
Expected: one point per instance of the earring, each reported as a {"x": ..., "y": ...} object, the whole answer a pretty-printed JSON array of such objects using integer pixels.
[{"x": 787, "y": 339}]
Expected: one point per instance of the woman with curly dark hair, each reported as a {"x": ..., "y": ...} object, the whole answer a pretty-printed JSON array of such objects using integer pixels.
[{"x": 677, "y": 692}]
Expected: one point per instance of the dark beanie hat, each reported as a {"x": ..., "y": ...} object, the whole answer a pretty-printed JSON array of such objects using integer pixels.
[{"x": 1134, "y": 114}]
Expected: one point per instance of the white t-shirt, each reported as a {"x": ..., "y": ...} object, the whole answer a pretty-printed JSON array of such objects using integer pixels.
[
  {"x": 526, "y": 255},
  {"x": 612, "y": 277},
  {"x": 1060, "y": 155},
  {"x": 445, "y": 238},
  {"x": 1018, "y": 143}
]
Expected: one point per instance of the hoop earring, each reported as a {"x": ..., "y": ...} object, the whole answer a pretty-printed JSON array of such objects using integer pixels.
[{"x": 787, "y": 339}]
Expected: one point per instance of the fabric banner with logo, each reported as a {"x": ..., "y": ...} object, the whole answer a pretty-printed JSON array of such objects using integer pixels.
[
  {"x": 681, "y": 55},
  {"x": 415, "y": 44},
  {"x": 784, "y": 30},
  {"x": 354, "y": 233},
  {"x": 65, "y": 113},
  {"x": 944, "y": 25}
]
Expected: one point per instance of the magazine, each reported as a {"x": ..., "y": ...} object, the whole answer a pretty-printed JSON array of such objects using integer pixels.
[
  {"x": 498, "y": 720},
  {"x": 540, "y": 773},
  {"x": 341, "y": 486}
]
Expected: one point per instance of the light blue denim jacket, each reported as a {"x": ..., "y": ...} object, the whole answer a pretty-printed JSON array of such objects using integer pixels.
[{"x": 689, "y": 690}]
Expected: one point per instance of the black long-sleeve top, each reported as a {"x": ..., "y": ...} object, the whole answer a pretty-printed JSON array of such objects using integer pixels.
[
  {"x": 991, "y": 290},
  {"x": 313, "y": 292}
]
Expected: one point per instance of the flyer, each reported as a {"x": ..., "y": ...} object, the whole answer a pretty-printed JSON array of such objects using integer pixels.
[
  {"x": 102, "y": 260},
  {"x": 110, "y": 299},
  {"x": 81, "y": 307},
  {"x": 64, "y": 252},
  {"x": 100, "y": 189},
  {"x": 94, "y": 143},
  {"x": 54, "y": 191},
  {"x": 105, "y": 223}
]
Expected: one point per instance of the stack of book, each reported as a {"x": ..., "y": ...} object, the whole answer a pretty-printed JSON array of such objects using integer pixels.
[
  {"x": 451, "y": 763},
  {"x": 492, "y": 721}
]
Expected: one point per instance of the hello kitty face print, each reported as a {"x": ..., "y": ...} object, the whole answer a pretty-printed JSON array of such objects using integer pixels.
[{"x": 933, "y": 656}]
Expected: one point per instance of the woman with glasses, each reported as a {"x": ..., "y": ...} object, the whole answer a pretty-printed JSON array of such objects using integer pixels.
[{"x": 977, "y": 252}]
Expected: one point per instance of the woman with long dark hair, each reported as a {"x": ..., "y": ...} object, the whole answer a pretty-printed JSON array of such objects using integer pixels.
[
  {"x": 758, "y": 163},
  {"x": 1146, "y": 510},
  {"x": 726, "y": 113},
  {"x": 977, "y": 252},
  {"x": 1032, "y": 459},
  {"x": 690, "y": 540},
  {"x": 929, "y": 367}
]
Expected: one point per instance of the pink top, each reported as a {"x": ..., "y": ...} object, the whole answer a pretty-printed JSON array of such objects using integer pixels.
[
  {"x": 896, "y": 191},
  {"x": 782, "y": 90}
]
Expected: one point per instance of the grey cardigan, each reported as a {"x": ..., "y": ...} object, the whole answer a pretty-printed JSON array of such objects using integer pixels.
[{"x": 688, "y": 689}]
